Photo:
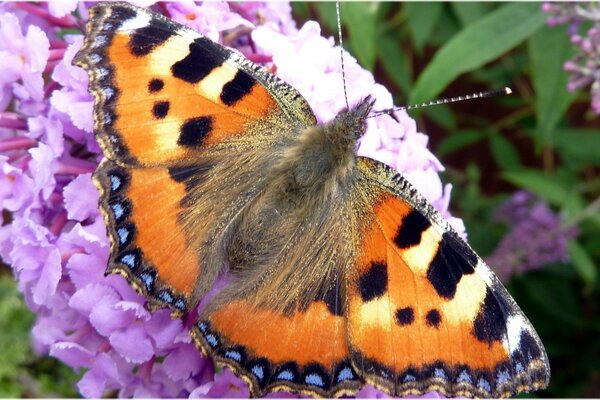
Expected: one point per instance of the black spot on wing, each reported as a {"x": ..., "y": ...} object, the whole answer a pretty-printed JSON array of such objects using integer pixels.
[
  {"x": 194, "y": 130},
  {"x": 204, "y": 56},
  {"x": 490, "y": 323},
  {"x": 409, "y": 233},
  {"x": 333, "y": 298},
  {"x": 121, "y": 14},
  {"x": 452, "y": 260},
  {"x": 146, "y": 39},
  {"x": 155, "y": 85},
  {"x": 234, "y": 90},
  {"x": 189, "y": 173},
  {"x": 405, "y": 316},
  {"x": 191, "y": 176},
  {"x": 529, "y": 347},
  {"x": 160, "y": 109},
  {"x": 373, "y": 283},
  {"x": 433, "y": 318}
]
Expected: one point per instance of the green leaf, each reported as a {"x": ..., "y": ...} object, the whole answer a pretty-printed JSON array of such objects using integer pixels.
[
  {"x": 327, "y": 15},
  {"x": 458, "y": 140},
  {"x": 360, "y": 22},
  {"x": 505, "y": 154},
  {"x": 394, "y": 62},
  {"x": 422, "y": 18},
  {"x": 583, "y": 263},
  {"x": 442, "y": 115},
  {"x": 478, "y": 44},
  {"x": 547, "y": 187},
  {"x": 300, "y": 9},
  {"x": 581, "y": 144},
  {"x": 548, "y": 49},
  {"x": 468, "y": 12}
]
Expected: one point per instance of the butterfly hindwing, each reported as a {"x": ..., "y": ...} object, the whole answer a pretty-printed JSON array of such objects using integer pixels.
[
  {"x": 148, "y": 245},
  {"x": 164, "y": 93},
  {"x": 303, "y": 351},
  {"x": 424, "y": 311}
]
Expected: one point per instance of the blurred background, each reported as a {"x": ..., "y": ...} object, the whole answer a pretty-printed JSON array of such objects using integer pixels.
[{"x": 524, "y": 168}]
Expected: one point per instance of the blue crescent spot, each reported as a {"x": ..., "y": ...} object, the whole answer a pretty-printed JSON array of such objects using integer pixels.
[
  {"x": 108, "y": 93},
  {"x": 180, "y": 304},
  {"x": 314, "y": 379},
  {"x": 234, "y": 355},
  {"x": 485, "y": 385},
  {"x": 345, "y": 375},
  {"x": 503, "y": 377},
  {"x": 123, "y": 235},
  {"x": 166, "y": 297},
  {"x": 118, "y": 210},
  {"x": 285, "y": 375},
  {"x": 409, "y": 378},
  {"x": 258, "y": 371},
  {"x": 95, "y": 58},
  {"x": 212, "y": 340},
  {"x": 464, "y": 377},
  {"x": 519, "y": 367},
  {"x": 115, "y": 182},
  {"x": 439, "y": 373},
  {"x": 202, "y": 326},
  {"x": 100, "y": 41},
  {"x": 147, "y": 279},
  {"x": 129, "y": 260}
]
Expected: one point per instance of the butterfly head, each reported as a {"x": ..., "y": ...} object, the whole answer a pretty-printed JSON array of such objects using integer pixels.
[{"x": 351, "y": 123}]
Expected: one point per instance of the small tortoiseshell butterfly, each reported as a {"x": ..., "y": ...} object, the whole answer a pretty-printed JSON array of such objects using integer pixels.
[{"x": 343, "y": 274}]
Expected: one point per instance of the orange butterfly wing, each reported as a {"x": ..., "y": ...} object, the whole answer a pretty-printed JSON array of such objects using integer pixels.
[
  {"x": 424, "y": 311},
  {"x": 164, "y": 92},
  {"x": 170, "y": 105},
  {"x": 304, "y": 351}
]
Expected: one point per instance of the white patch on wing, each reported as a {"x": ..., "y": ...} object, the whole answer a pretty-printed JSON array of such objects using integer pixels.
[
  {"x": 189, "y": 33},
  {"x": 141, "y": 20},
  {"x": 484, "y": 272},
  {"x": 515, "y": 325}
]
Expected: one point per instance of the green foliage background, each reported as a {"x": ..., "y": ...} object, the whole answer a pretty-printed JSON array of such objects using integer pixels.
[{"x": 542, "y": 138}]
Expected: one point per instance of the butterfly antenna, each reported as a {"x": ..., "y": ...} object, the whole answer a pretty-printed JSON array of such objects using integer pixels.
[
  {"x": 478, "y": 95},
  {"x": 339, "y": 25}
]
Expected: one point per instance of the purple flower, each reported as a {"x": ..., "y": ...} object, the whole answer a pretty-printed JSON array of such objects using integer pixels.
[
  {"x": 209, "y": 18},
  {"x": 584, "y": 68},
  {"x": 56, "y": 243},
  {"x": 536, "y": 237},
  {"x": 23, "y": 59},
  {"x": 72, "y": 104},
  {"x": 228, "y": 386}
]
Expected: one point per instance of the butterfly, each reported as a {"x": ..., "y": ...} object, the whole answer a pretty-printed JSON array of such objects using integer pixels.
[{"x": 342, "y": 274}]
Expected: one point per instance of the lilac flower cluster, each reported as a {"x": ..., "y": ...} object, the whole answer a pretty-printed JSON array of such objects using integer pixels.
[
  {"x": 536, "y": 238},
  {"x": 584, "y": 68},
  {"x": 55, "y": 240}
]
